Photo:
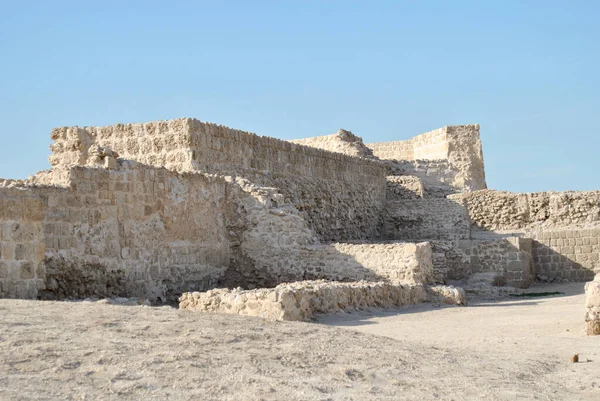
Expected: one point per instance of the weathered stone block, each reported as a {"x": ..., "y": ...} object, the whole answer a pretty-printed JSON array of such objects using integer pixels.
[{"x": 27, "y": 270}]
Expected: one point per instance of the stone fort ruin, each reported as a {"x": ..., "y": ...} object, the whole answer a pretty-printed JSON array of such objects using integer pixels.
[{"x": 166, "y": 208}]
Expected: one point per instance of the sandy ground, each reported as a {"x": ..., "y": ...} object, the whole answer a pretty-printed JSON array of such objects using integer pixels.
[{"x": 503, "y": 350}]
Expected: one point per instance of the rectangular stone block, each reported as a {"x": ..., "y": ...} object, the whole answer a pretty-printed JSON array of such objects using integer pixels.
[
  {"x": 27, "y": 270},
  {"x": 33, "y": 209}
]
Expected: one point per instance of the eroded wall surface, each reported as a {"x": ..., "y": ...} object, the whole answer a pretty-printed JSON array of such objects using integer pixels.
[
  {"x": 22, "y": 245},
  {"x": 426, "y": 218},
  {"x": 340, "y": 196},
  {"x": 499, "y": 210},
  {"x": 460, "y": 145},
  {"x": 343, "y": 141},
  {"x": 136, "y": 231},
  {"x": 301, "y": 300},
  {"x": 568, "y": 253}
]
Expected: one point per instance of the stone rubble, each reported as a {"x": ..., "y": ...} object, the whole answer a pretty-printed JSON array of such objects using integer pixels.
[{"x": 301, "y": 300}]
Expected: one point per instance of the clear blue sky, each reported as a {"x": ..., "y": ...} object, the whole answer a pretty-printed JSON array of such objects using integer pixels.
[{"x": 527, "y": 71}]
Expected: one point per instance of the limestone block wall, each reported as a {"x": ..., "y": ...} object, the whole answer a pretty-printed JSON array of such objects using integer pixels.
[
  {"x": 22, "y": 244},
  {"x": 301, "y": 300},
  {"x": 277, "y": 245},
  {"x": 432, "y": 145},
  {"x": 340, "y": 196},
  {"x": 423, "y": 219},
  {"x": 189, "y": 144},
  {"x": 460, "y": 145},
  {"x": 404, "y": 187},
  {"x": 135, "y": 231},
  {"x": 402, "y": 262},
  {"x": 511, "y": 258},
  {"x": 159, "y": 144},
  {"x": 334, "y": 210},
  {"x": 465, "y": 154},
  {"x": 343, "y": 141},
  {"x": 498, "y": 210},
  {"x": 569, "y": 253},
  {"x": 437, "y": 176},
  {"x": 396, "y": 150}
]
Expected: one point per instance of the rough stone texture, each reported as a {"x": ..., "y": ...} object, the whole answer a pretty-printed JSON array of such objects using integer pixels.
[
  {"x": 404, "y": 187},
  {"x": 155, "y": 209},
  {"x": 498, "y": 210},
  {"x": 135, "y": 230},
  {"x": 428, "y": 218},
  {"x": 592, "y": 305},
  {"x": 460, "y": 145},
  {"x": 22, "y": 245},
  {"x": 341, "y": 142},
  {"x": 571, "y": 254},
  {"x": 509, "y": 259},
  {"x": 301, "y": 300},
  {"x": 191, "y": 145},
  {"x": 340, "y": 196},
  {"x": 407, "y": 263},
  {"x": 437, "y": 176}
]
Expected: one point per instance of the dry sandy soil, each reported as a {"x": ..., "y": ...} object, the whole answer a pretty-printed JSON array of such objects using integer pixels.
[{"x": 501, "y": 350}]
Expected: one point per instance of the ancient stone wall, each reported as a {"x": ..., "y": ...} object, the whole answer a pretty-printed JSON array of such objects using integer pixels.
[
  {"x": 397, "y": 150},
  {"x": 402, "y": 262},
  {"x": 569, "y": 253},
  {"x": 592, "y": 307},
  {"x": 500, "y": 211},
  {"x": 343, "y": 141},
  {"x": 191, "y": 145},
  {"x": 427, "y": 218},
  {"x": 136, "y": 231},
  {"x": 510, "y": 258},
  {"x": 437, "y": 176},
  {"x": 340, "y": 196},
  {"x": 22, "y": 245},
  {"x": 460, "y": 145}
]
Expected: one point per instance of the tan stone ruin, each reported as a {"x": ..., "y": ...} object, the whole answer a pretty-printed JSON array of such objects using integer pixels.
[{"x": 281, "y": 229}]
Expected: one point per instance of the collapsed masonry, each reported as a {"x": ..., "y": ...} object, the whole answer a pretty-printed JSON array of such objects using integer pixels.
[{"x": 159, "y": 209}]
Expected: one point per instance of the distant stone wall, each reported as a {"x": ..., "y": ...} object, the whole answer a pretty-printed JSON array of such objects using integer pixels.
[
  {"x": 397, "y": 150},
  {"x": 497, "y": 210},
  {"x": 341, "y": 197},
  {"x": 437, "y": 176},
  {"x": 190, "y": 145},
  {"x": 423, "y": 219},
  {"x": 432, "y": 145},
  {"x": 22, "y": 245},
  {"x": 570, "y": 253},
  {"x": 460, "y": 145},
  {"x": 334, "y": 210},
  {"x": 343, "y": 141},
  {"x": 409, "y": 263},
  {"x": 510, "y": 257}
]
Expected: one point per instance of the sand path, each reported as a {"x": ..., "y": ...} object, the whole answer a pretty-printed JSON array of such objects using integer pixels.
[{"x": 513, "y": 349}]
